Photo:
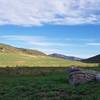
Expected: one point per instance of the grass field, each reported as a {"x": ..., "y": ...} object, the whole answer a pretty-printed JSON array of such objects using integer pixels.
[
  {"x": 14, "y": 59},
  {"x": 44, "y": 84},
  {"x": 45, "y": 78}
]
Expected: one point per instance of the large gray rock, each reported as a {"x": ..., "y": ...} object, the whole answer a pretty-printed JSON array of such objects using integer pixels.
[
  {"x": 98, "y": 77},
  {"x": 80, "y": 76}
]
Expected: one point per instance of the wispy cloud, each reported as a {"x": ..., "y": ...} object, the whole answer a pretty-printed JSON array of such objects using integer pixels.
[
  {"x": 81, "y": 47},
  {"x": 39, "y": 12},
  {"x": 35, "y": 40},
  {"x": 49, "y": 42},
  {"x": 93, "y": 44}
]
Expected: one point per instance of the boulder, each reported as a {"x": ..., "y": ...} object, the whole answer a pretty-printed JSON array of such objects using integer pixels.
[{"x": 80, "y": 76}]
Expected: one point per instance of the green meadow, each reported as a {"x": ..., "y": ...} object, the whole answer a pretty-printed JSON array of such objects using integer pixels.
[
  {"x": 32, "y": 75},
  {"x": 19, "y": 59},
  {"x": 44, "y": 84}
]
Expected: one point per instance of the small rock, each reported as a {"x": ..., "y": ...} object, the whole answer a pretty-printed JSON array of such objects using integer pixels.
[
  {"x": 72, "y": 69},
  {"x": 98, "y": 77}
]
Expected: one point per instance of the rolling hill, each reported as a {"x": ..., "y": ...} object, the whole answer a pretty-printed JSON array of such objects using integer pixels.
[
  {"x": 4, "y": 48},
  {"x": 11, "y": 57},
  {"x": 65, "y": 57},
  {"x": 94, "y": 59}
]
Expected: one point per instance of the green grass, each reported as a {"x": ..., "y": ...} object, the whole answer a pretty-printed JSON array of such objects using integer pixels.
[
  {"x": 44, "y": 84},
  {"x": 14, "y": 59}
]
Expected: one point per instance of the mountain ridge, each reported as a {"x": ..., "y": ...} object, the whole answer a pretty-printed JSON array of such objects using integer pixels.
[
  {"x": 94, "y": 59},
  {"x": 64, "y": 57}
]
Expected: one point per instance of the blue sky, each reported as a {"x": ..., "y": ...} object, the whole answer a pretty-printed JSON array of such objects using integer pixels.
[
  {"x": 66, "y": 27},
  {"x": 78, "y": 40}
]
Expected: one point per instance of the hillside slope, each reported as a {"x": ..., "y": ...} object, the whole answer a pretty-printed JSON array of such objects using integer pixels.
[
  {"x": 10, "y": 49},
  {"x": 94, "y": 59},
  {"x": 11, "y": 56},
  {"x": 4, "y": 48},
  {"x": 56, "y": 55},
  {"x": 13, "y": 60}
]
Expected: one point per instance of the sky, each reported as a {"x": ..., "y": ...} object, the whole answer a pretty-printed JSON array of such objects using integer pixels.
[{"x": 70, "y": 27}]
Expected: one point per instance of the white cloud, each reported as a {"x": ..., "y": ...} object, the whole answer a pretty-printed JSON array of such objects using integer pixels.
[{"x": 39, "y": 12}]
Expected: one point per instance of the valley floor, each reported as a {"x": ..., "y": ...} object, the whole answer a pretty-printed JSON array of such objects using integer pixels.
[{"x": 43, "y": 84}]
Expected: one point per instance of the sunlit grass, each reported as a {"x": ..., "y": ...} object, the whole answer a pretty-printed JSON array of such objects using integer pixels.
[{"x": 13, "y": 60}]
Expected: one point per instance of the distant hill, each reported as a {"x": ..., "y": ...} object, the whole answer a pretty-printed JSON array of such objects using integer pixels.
[
  {"x": 65, "y": 57},
  {"x": 12, "y": 57},
  {"x": 32, "y": 52},
  {"x": 4, "y": 48},
  {"x": 94, "y": 59}
]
